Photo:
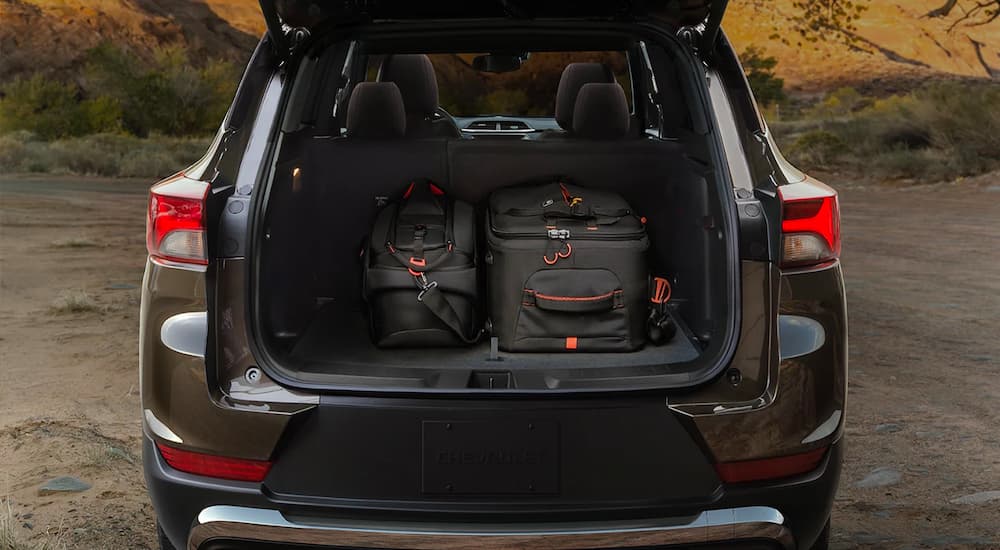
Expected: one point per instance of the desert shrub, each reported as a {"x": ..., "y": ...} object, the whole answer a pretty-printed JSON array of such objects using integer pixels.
[
  {"x": 84, "y": 156},
  {"x": 817, "y": 148},
  {"x": 12, "y": 150},
  {"x": 171, "y": 95},
  {"x": 100, "y": 154},
  {"x": 941, "y": 131},
  {"x": 960, "y": 116},
  {"x": 145, "y": 163},
  {"x": 52, "y": 109},
  {"x": 759, "y": 68},
  {"x": 839, "y": 103},
  {"x": 21, "y": 151},
  {"x": 923, "y": 164}
]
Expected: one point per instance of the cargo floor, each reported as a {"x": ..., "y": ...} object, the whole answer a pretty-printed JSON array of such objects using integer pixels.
[{"x": 341, "y": 337}]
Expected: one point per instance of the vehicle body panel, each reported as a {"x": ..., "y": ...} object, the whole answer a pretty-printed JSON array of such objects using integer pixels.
[{"x": 622, "y": 457}]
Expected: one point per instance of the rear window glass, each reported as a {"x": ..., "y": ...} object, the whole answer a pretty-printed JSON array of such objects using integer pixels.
[{"x": 529, "y": 91}]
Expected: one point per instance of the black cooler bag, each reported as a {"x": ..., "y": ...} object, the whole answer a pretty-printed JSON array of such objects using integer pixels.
[
  {"x": 566, "y": 270},
  {"x": 420, "y": 271}
]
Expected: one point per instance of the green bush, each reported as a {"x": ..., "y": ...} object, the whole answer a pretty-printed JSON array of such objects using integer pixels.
[
  {"x": 817, "y": 148},
  {"x": 839, "y": 103},
  {"x": 52, "y": 109},
  {"x": 169, "y": 96}
]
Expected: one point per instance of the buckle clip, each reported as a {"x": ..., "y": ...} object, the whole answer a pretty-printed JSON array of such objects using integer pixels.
[{"x": 425, "y": 287}]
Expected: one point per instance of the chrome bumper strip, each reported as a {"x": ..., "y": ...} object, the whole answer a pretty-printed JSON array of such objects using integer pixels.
[{"x": 257, "y": 524}]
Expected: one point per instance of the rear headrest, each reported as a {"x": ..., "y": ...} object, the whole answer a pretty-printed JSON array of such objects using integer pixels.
[
  {"x": 601, "y": 112},
  {"x": 414, "y": 74},
  {"x": 375, "y": 110},
  {"x": 574, "y": 76}
]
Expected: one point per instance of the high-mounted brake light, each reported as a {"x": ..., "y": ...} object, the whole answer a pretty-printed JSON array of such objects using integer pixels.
[
  {"x": 175, "y": 222},
  {"x": 237, "y": 469},
  {"x": 770, "y": 468},
  {"x": 810, "y": 224}
]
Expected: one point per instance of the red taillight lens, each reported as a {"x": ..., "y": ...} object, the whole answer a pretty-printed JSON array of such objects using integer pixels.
[
  {"x": 770, "y": 468},
  {"x": 175, "y": 223},
  {"x": 810, "y": 224},
  {"x": 221, "y": 467}
]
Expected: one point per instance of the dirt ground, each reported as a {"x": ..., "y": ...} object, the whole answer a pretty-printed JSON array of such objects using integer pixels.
[{"x": 923, "y": 272}]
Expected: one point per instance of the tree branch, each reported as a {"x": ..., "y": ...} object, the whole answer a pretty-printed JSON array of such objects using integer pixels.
[{"x": 943, "y": 11}]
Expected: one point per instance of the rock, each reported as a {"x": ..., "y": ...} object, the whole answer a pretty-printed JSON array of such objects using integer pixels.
[
  {"x": 64, "y": 484},
  {"x": 977, "y": 498},
  {"x": 880, "y": 477},
  {"x": 887, "y": 428}
]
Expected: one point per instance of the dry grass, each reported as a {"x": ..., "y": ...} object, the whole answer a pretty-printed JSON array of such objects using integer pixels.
[
  {"x": 100, "y": 154},
  {"x": 11, "y": 537},
  {"x": 104, "y": 456},
  {"x": 74, "y": 301}
]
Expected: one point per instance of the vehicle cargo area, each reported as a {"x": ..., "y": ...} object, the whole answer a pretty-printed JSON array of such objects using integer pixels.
[{"x": 620, "y": 173}]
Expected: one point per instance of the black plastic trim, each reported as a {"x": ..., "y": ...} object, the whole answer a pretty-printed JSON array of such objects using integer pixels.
[{"x": 805, "y": 501}]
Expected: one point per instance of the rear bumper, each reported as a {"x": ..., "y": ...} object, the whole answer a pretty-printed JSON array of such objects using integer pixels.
[
  {"x": 227, "y": 525},
  {"x": 202, "y": 513}
]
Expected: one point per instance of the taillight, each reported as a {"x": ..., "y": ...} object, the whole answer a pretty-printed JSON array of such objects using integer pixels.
[
  {"x": 237, "y": 469},
  {"x": 175, "y": 222},
  {"x": 770, "y": 468},
  {"x": 810, "y": 224}
]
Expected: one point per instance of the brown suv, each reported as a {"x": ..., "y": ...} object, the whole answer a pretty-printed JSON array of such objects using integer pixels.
[{"x": 272, "y": 419}]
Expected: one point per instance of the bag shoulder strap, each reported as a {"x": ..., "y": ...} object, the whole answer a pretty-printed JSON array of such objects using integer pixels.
[{"x": 435, "y": 301}]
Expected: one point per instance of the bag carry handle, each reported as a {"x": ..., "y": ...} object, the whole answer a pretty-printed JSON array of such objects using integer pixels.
[{"x": 575, "y": 304}]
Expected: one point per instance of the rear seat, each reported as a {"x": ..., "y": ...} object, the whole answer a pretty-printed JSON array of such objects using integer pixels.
[
  {"x": 599, "y": 154},
  {"x": 414, "y": 75}
]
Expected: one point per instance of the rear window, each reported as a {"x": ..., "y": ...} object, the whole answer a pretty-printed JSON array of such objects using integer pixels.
[{"x": 529, "y": 91}]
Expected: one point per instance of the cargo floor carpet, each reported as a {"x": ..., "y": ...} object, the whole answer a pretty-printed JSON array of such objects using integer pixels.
[{"x": 341, "y": 337}]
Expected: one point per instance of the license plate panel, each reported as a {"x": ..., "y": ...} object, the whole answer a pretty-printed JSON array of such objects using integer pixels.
[{"x": 502, "y": 457}]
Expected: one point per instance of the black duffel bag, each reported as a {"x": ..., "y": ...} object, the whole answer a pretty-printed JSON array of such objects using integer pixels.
[
  {"x": 420, "y": 271},
  {"x": 566, "y": 270}
]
